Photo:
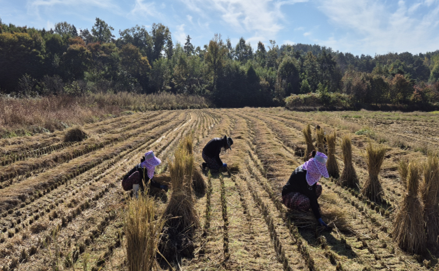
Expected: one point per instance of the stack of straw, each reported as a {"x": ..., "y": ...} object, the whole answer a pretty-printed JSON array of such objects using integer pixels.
[
  {"x": 348, "y": 176},
  {"x": 308, "y": 139},
  {"x": 181, "y": 214},
  {"x": 430, "y": 194},
  {"x": 332, "y": 164},
  {"x": 408, "y": 229},
  {"x": 320, "y": 140},
  {"x": 403, "y": 171},
  {"x": 143, "y": 232},
  {"x": 375, "y": 158}
]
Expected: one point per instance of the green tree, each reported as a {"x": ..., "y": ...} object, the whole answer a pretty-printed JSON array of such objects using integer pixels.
[
  {"x": 65, "y": 29},
  {"x": 261, "y": 54},
  {"x": 160, "y": 35},
  {"x": 215, "y": 58},
  {"x": 288, "y": 79},
  {"x": 102, "y": 31},
  {"x": 135, "y": 64},
  {"x": 305, "y": 87},
  {"x": 188, "y": 47}
]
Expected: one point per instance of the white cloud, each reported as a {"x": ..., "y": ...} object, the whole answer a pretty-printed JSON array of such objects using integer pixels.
[
  {"x": 50, "y": 25},
  {"x": 306, "y": 34},
  {"x": 260, "y": 18},
  {"x": 289, "y": 42},
  {"x": 180, "y": 34},
  {"x": 189, "y": 17},
  {"x": 373, "y": 27},
  {"x": 142, "y": 9},
  {"x": 33, "y": 6}
]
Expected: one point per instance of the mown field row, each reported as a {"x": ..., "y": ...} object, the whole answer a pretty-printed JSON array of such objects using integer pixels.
[{"x": 68, "y": 212}]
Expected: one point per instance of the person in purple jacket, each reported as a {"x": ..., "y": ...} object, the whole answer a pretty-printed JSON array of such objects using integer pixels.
[
  {"x": 212, "y": 151},
  {"x": 302, "y": 189},
  {"x": 145, "y": 170}
]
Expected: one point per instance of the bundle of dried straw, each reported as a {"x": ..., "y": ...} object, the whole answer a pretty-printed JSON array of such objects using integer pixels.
[
  {"x": 143, "y": 232},
  {"x": 403, "y": 171},
  {"x": 348, "y": 176},
  {"x": 430, "y": 197},
  {"x": 332, "y": 164},
  {"x": 408, "y": 229},
  {"x": 375, "y": 158},
  {"x": 307, "y": 134},
  {"x": 320, "y": 134}
]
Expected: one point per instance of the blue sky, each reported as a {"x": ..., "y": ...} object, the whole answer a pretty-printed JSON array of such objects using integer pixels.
[{"x": 356, "y": 26}]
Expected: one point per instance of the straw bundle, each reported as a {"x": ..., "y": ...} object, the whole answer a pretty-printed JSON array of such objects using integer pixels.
[
  {"x": 307, "y": 134},
  {"x": 183, "y": 218},
  {"x": 320, "y": 134},
  {"x": 348, "y": 176},
  {"x": 75, "y": 134},
  {"x": 429, "y": 192},
  {"x": 181, "y": 204},
  {"x": 143, "y": 233},
  {"x": 234, "y": 168},
  {"x": 198, "y": 183},
  {"x": 332, "y": 164},
  {"x": 408, "y": 229},
  {"x": 403, "y": 171},
  {"x": 331, "y": 213},
  {"x": 375, "y": 158}
]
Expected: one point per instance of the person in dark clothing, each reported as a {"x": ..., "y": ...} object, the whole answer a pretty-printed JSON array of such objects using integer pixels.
[
  {"x": 145, "y": 170},
  {"x": 302, "y": 189},
  {"x": 212, "y": 151}
]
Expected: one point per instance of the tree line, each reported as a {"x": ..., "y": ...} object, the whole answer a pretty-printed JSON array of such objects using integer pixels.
[{"x": 65, "y": 60}]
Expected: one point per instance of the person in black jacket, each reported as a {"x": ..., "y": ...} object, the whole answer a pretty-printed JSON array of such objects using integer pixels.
[
  {"x": 145, "y": 170},
  {"x": 302, "y": 189},
  {"x": 212, "y": 151}
]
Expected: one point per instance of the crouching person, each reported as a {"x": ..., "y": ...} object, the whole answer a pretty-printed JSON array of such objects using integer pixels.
[
  {"x": 302, "y": 189},
  {"x": 212, "y": 151},
  {"x": 143, "y": 171}
]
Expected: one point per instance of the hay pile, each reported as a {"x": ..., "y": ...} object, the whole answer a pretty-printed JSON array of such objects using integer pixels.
[
  {"x": 75, "y": 134},
  {"x": 307, "y": 134},
  {"x": 234, "y": 168},
  {"x": 430, "y": 193},
  {"x": 348, "y": 176},
  {"x": 408, "y": 229},
  {"x": 182, "y": 217},
  {"x": 332, "y": 213},
  {"x": 320, "y": 134},
  {"x": 372, "y": 188},
  {"x": 143, "y": 232},
  {"x": 198, "y": 183},
  {"x": 403, "y": 172},
  {"x": 332, "y": 164}
]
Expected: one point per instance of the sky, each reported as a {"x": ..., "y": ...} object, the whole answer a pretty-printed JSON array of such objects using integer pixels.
[{"x": 367, "y": 27}]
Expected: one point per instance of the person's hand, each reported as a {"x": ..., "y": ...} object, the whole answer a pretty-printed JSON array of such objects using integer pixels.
[
  {"x": 322, "y": 223},
  {"x": 224, "y": 165},
  {"x": 164, "y": 187}
]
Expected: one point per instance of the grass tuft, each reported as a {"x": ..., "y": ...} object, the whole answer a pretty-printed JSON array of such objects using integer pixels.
[{"x": 75, "y": 134}]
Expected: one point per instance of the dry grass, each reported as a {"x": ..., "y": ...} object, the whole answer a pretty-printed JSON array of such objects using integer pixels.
[
  {"x": 198, "y": 183},
  {"x": 332, "y": 164},
  {"x": 74, "y": 134},
  {"x": 320, "y": 138},
  {"x": 408, "y": 229},
  {"x": 234, "y": 168},
  {"x": 430, "y": 194},
  {"x": 34, "y": 115},
  {"x": 348, "y": 176},
  {"x": 307, "y": 134},
  {"x": 375, "y": 158},
  {"x": 143, "y": 234}
]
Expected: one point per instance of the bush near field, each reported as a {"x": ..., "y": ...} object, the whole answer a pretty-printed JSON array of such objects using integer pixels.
[
  {"x": 27, "y": 116},
  {"x": 317, "y": 100}
]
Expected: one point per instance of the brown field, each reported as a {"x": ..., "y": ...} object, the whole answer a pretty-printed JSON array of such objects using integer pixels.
[{"x": 62, "y": 205}]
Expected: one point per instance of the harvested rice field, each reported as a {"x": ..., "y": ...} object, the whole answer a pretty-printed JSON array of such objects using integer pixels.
[{"x": 62, "y": 206}]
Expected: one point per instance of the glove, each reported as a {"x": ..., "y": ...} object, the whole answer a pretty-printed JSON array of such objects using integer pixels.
[
  {"x": 224, "y": 165},
  {"x": 164, "y": 187},
  {"x": 322, "y": 223}
]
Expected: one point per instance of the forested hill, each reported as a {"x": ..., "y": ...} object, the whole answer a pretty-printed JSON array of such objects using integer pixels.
[{"x": 65, "y": 60}]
